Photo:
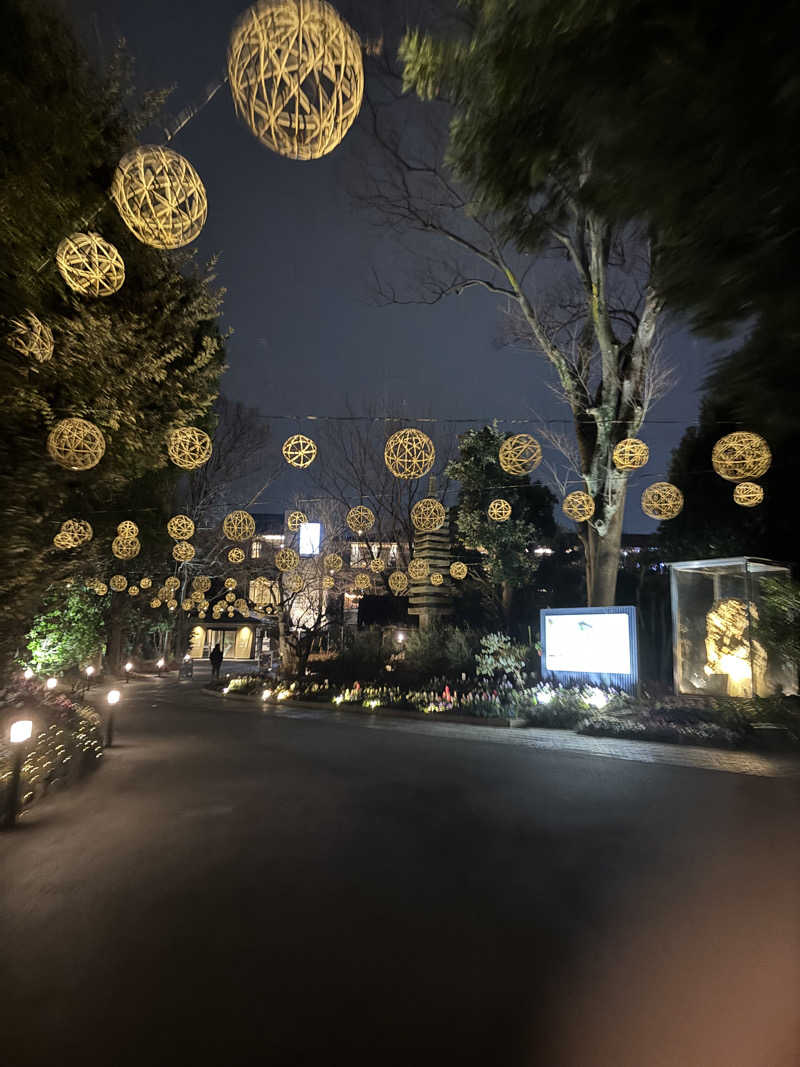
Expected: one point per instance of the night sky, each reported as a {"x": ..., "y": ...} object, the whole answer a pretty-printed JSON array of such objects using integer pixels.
[{"x": 296, "y": 256}]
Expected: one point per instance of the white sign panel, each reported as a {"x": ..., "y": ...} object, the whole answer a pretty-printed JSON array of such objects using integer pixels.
[
  {"x": 310, "y": 537},
  {"x": 592, "y": 643}
]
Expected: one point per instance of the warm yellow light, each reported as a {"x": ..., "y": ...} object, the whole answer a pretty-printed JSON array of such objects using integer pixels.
[
  {"x": 90, "y": 671},
  {"x": 51, "y": 683},
  {"x": 20, "y": 731},
  {"x": 160, "y": 663},
  {"x": 128, "y": 666},
  {"x": 113, "y": 696},
  {"x": 735, "y": 667},
  {"x": 28, "y": 674}
]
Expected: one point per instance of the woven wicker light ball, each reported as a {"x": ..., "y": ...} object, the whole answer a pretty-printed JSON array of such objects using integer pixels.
[
  {"x": 661, "y": 500},
  {"x": 230, "y": 597},
  {"x": 295, "y": 520},
  {"x": 155, "y": 602},
  {"x": 236, "y": 555},
  {"x": 196, "y": 595},
  {"x": 63, "y": 541},
  {"x": 180, "y": 528},
  {"x": 458, "y": 570},
  {"x": 520, "y": 454},
  {"x": 418, "y": 569},
  {"x": 172, "y": 603},
  {"x": 118, "y": 582},
  {"x": 241, "y": 606},
  {"x": 287, "y": 559},
  {"x": 409, "y": 453},
  {"x": 238, "y": 526},
  {"x": 78, "y": 531},
  {"x": 230, "y": 583},
  {"x": 126, "y": 547},
  {"x": 296, "y": 75},
  {"x": 362, "y": 582},
  {"x": 76, "y": 444},
  {"x": 31, "y": 337},
  {"x": 90, "y": 265},
  {"x": 333, "y": 562},
  {"x": 182, "y": 551},
  {"x": 630, "y": 454},
  {"x": 299, "y": 450},
  {"x": 296, "y": 584},
  {"x": 133, "y": 590},
  {"x": 499, "y": 510},
  {"x": 145, "y": 583},
  {"x": 748, "y": 494},
  {"x": 173, "y": 583},
  {"x": 428, "y": 515},
  {"x": 578, "y": 506},
  {"x": 187, "y": 605},
  {"x": 189, "y": 447},
  {"x": 202, "y": 583},
  {"x": 101, "y": 588},
  {"x": 741, "y": 455},
  {"x": 160, "y": 197},
  {"x": 377, "y": 566},
  {"x": 162, "y": 593},
  {"x": 398, "y": 582},
  {"x": 128, "y": 529},
  {"x": 328, "y": 581},
  {"x": 360, "y": 519},
  {"x": 436, "y": 578},
  {"x": 203, "y": 605}
]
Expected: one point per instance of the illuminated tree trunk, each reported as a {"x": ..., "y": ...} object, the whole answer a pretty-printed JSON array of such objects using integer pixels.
[{"x": 602, "y": 560}]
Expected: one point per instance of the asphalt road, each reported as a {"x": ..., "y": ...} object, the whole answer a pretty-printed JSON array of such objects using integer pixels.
[{"x": 231, "y": 888}]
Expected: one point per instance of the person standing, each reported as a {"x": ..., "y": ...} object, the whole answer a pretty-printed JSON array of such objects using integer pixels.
[{"x": 215, "y": 659}]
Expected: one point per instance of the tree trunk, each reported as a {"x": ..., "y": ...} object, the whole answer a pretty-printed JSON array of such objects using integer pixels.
[
  {"x": 507, "y": 594},
  {"x": 114, "y": 627},
  {"x": 602, "y": 561}
]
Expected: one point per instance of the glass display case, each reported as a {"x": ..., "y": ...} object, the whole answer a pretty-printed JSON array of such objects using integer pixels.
[{"x": 715, "y": 612}]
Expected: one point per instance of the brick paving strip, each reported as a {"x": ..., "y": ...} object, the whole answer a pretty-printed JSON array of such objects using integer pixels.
[{"x": 710, "y": 759}]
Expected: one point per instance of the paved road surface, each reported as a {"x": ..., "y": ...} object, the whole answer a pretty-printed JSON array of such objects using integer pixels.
[{"x": 237, "y": 889}]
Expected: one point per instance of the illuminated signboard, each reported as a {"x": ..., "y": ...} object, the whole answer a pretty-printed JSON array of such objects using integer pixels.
[
  {"x": 596, "y": 645},
  {"x": 310, "y": 537}
]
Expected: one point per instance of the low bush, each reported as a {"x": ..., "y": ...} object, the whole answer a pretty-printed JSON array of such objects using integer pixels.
[{"x": 711, "y": 734}]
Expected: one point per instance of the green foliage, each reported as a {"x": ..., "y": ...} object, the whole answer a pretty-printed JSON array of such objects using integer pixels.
[
  {"x": 542, "y": 93},
  {"x": 440, "y": 650},
  {"x": 137, "y": 363},
  {"x": 68, "y": 632},
  {"x": 507, "y": 547},
  {"x": 778, "y": 627},
  {"x": 500, "y": 659}
]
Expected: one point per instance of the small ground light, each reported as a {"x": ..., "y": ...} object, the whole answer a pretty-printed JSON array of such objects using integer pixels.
[
  {"x": 19, "y": 732},
  {"x": 160, "y": 664},
  {"x": 113, "y": 696},
  {"x": 401, "y": 636},
  {"x": 28, "y": 674},
  {"x": 51, "y": 683},
  {"x": 90, "y": 671},
  {"x": 266, "y": 694},
  {"x": 128, "y": 669}
]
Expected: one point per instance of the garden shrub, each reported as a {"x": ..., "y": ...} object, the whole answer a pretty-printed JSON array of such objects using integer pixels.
[
  {"x": 499, "y": 658},
  {"x": 442, "y": 650}
]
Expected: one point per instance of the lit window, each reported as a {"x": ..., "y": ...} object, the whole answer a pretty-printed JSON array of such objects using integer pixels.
[{"x": 255, "y": 549}]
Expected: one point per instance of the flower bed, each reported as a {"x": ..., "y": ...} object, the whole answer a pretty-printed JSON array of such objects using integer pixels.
[{"x": 66, "y": 741}]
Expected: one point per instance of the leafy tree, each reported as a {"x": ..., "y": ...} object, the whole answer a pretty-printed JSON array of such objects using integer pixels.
[
  {"x": 136, "y": 364},
  {"x": 698, "y": 149},
  {"x": 68, "y": 632},
  {"x": 756, "y": 388},
  {"x": 506, "y": 548},
  {"x": 596, "y": 327}
]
